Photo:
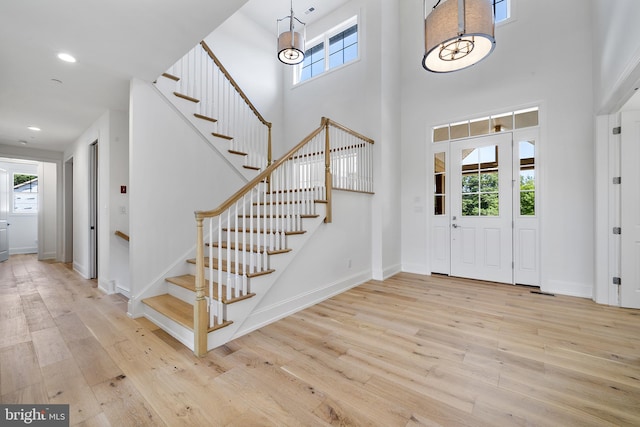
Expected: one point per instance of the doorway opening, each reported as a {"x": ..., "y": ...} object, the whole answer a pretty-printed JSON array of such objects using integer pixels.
[
  {"x": 93, "y": 210},
  {"x": 68, "y": 211}
]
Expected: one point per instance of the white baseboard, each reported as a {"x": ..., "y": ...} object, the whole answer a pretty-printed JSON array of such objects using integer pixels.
[
  {"x": 80, "y": 270},
  {"x": 416, "y": 269},
  {"x": 23, "y": 251},
  {"x": 572, "y": 289}
]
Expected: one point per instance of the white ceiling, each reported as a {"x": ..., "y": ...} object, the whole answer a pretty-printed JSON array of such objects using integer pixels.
[
  {"x": 266, "y": 12},
  {"x": 113, "y": 41}
]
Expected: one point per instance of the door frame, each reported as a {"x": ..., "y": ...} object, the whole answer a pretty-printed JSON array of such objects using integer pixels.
[
  {"x": 439, "y": 226},
  {"x": 93, "y": 210},
  {"x": 4, "y": 212}
]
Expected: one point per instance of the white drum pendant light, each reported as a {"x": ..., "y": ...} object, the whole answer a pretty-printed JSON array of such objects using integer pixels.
[
  {"x": 290, "y": 42},
  {"x": 458, "y": 34}
]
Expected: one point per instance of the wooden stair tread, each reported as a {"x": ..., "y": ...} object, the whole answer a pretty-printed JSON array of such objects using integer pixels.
[
  {"x": 188, "y": 281},
  {"x": 267, "y": 231},
  {"x": 203, "y": 117},
  {"x": 253, "y": 168},
  {"x": 254, "y": 248},
  {"x": 239, "y": 153},
  {"x": 239, "y": 268},
  {"x": 172, "y": 307},
  {"x": 178, "y": 311},
  {"x": 219, "y": 135},
  {"x": 187, "y": 97},
  {"x": 171, "y": 76}
]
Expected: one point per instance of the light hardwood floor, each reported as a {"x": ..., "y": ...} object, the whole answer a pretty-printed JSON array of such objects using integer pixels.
[{"x": 413, "y": 350}]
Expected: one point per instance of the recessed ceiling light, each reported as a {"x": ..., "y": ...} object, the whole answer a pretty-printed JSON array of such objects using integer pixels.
[
  {"x": 34, "y": 128},
  {"x": 57, "y": 81},
  {"x": 66, "y": 57},
  {"x": 23, "y": 142}
]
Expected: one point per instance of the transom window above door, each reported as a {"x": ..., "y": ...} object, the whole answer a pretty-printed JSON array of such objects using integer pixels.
[{"x": 503, "y": 122}]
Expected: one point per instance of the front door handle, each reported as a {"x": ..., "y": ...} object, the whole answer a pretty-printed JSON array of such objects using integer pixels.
[{"x": 454, "y": 225}]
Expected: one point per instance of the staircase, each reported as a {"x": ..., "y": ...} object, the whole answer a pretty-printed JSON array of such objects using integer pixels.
[{"x": 244, "y": 245}]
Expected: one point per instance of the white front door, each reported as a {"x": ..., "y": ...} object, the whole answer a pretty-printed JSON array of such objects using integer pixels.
[
  {"x": 481, "y": 208},
  {"x": 4, "y": 215},
  {"x": 630, "y": 222}
]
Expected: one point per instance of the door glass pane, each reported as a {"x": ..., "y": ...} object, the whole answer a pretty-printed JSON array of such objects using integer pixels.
[
  {"x": 470, "y": 204},
  {"x": 480, "y": 186},
  {"x": 502, "y": 123},
  {"x": 470, "y": 183},
  {"x": 526, "y": 118},
  {"x": 479, "y": 127},
  {"x": 527, "y": 150},
  {"x": 441, "y": 134},
  {"x": 439, "y": 179},
  {"x": 489, "y": 204},
  {"x": 459, "y": 130},
  {"x": 489, "y": 181}
]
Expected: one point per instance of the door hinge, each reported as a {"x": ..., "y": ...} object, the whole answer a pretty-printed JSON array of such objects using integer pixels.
[
  {"x": 617, "y": 230},
  {"x": 617, "y": 281},
  {"x": 617, "y": 180},
  {"x": 617, "y": 130}
]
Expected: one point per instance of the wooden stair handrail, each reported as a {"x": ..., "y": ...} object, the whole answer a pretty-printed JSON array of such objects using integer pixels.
[
  {"x": 350, "y": 131},
  {"x": 325, "y": 122},
  {"x": 234, "y": 84},
  {"x": 255, "y": 181},
  {"x": 122, "y": 235}
]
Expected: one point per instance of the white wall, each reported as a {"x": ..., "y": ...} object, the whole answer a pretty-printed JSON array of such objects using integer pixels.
[
  {"x": 119, "y": 203},
  {"x": 173, "y": 172},
  {"x": 109, "y": 130},
  {"x": 336, "y": 258},
  {"x": 364, "y": 96},
  {"x": 525, "y": 69},
  {"x": 23, "y": 229},
  {"x": 48, "y": 218}
]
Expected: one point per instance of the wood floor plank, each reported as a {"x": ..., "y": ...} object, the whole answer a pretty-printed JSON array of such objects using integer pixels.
[
  {"x": 19, "y": 367},
  {"x": 412, "y": 350},
  {"x": 36, "y": 312},
  {"x": 123, "y": 405},
  {"x": 50, "y": 346}
]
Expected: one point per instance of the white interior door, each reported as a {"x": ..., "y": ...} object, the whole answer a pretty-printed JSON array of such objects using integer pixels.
[
  {"x": 481, "y": 208},
  {"x": 4, "y": 215},
  {"x": 630, "y": 222}
]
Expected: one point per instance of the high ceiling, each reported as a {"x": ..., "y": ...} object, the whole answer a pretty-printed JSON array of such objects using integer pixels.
[{"x": 113, "y": 41}]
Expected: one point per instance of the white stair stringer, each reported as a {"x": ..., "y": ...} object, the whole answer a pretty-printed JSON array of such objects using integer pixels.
[
  {"x": 260, "y": 285},
  {"x": 187, "y": 109}
]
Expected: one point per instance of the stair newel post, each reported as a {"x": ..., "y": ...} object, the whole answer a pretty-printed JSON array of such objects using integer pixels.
[
  {"x": 200, "y": 318},
  {"x": 327, "y": 168}
]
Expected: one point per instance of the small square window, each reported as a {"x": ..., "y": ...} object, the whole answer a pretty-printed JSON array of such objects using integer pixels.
[{"x": 25, "y": 193}]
